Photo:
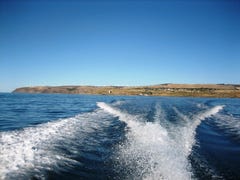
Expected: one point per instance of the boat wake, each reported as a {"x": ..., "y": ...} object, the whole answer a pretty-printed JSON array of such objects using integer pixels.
[
  {"x": 230, "y": 125},
  {"x": 158, "y": 149},
  {"x": 52, "y": 146}
]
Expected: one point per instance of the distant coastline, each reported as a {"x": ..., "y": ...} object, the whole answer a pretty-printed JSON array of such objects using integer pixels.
[{"x": 187, "y": 90}]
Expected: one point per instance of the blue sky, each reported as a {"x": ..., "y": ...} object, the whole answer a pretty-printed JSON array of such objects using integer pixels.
[{"x": 118, "y": 42}]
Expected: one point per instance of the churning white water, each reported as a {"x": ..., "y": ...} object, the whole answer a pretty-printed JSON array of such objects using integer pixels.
[{"x": 157, "y": 150}]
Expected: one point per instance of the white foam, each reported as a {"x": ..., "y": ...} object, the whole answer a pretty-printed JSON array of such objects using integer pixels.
[
  {"x": 150, "y": 149},
  {"x": 109, "y": 109},
  {"x": 130, "y": 119},
  {"x": 189, "y": 131},
  {"x": 210, "y": 112},
  {"x": 230, "y": 124},
  {"x": 158, "y": 150},
  {"x": 155, "y": 150},
  {"x": 37, "y": 149}
]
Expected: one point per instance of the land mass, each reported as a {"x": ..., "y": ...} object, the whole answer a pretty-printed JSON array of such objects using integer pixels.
[{"x": 192, "y": 90}]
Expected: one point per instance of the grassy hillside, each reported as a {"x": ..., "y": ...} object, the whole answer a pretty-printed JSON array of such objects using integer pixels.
[{"x": 194, "y": 90}]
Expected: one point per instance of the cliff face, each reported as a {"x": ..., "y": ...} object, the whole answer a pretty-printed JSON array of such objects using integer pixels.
[{"x": 195, "y": 90}]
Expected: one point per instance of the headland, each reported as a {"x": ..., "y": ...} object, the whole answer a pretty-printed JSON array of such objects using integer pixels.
[{"x": 187, "y": 90}]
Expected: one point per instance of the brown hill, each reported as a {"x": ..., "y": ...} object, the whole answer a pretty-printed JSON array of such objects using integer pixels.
[{"x": 194, "y": 90}]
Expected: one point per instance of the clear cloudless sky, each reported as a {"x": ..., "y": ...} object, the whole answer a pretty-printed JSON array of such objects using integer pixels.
[{"x": 110, "y": 42}]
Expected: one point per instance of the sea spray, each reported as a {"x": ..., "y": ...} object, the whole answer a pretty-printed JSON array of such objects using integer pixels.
[
  {"x": 150, "y": 152},
  {"x": 33, "y": 151}
]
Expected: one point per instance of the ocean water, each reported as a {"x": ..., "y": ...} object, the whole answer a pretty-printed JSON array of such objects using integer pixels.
[{"x": 47, "y": 136}]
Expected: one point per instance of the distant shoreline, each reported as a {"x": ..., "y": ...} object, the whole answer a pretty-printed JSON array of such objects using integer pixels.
[{"x": 187, "y": 90}]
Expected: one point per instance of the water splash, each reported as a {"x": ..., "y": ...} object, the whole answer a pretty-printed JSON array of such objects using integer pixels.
[
  {"x": 155, "y": 151},
  {"x": 51, "y": 146}
]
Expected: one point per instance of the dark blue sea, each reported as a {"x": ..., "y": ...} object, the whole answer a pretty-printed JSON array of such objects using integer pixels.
[{"x": 55, "y": 136}]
